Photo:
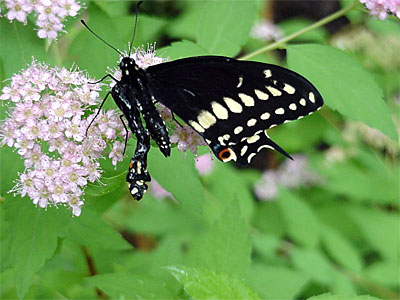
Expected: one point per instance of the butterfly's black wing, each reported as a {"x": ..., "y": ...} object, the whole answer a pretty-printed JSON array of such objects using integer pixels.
[{"x": 232, "y": 103}]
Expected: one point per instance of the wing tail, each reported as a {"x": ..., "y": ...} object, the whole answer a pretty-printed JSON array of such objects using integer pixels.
[{"x": 248, "y": 148}]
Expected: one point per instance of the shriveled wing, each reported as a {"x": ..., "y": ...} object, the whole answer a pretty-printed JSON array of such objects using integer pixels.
[{"x": 232, "y": 103}]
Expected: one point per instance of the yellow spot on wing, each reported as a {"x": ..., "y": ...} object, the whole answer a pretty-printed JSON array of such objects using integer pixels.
[
  {"x": 233, "y": 106},
  {"x": 206, "y": 119}
]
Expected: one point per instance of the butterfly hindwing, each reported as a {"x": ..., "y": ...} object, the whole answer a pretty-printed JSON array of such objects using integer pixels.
[{"x": 231, "y": 103}]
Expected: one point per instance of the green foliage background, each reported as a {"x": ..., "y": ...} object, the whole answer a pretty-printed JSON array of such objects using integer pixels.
[{"x": 334, "y": 241}]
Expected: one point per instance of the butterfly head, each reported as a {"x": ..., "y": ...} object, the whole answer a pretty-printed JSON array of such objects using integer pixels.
[{"x": 128, "y": 66}]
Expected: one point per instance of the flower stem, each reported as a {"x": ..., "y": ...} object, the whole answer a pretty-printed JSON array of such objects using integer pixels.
[{"x": 283, "y": 41}]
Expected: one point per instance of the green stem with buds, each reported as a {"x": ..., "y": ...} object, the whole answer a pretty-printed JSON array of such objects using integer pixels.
[{"x": 318, "y": 24}]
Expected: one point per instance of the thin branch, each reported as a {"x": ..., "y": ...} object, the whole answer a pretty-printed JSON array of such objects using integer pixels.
[{"x": 318, "y": 24}]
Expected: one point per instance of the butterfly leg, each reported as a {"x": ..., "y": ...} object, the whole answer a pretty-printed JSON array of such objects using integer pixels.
[
  {"x": 127, "y": 133},
  {"x": 137, "y": 175},
  {"x": 98, "y": 111},
  {"x": 104, "y": 77}
]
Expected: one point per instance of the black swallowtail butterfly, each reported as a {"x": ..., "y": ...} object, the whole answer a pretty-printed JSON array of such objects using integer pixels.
[{"x": 230, "y": 103}]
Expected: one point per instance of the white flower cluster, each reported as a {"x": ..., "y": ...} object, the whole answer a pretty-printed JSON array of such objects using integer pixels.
[
  {"x": 50, "y": 14},
  {"x": 47, "y": 125}
]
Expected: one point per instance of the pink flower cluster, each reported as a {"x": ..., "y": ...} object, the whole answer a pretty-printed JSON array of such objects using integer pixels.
[
  {"x": 290, "y": 174},
  {"x": 49, "y": 14},
  {"x": 266, "y": 31},
  {"x": 381, "y": 8},
  {"x": 183, "y": 136},
  {"x": 47, "y": 123}
]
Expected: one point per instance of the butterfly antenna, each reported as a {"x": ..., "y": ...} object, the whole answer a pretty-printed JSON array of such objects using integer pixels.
[
  {"x": 87, "y": 27},
  {"x": 134, "y": 28}
]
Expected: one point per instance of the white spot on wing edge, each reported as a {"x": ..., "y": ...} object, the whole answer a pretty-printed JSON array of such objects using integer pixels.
[
  {"x": 275, "y": 92},
  {"x": 244, "y": 149},
  {"x": 240, "y": 82},
  {"x": 233, "y": 106},
  {"x": 251, "y": 122},
  {"x": 311, "y": 96},
  {"x": 196, "y": 126},
  {"x": 303, "y": 102},
  {"x": 279, "y": 111},
  {"x": 289, "y": 89},
  {"x": 246, "y": 99},
  {"x": 220, "y": 111},
  {"x": 238, "y": 130},
  {"x": 206, "y": 119},
  {"x": 250, "y": 157},
  {"x": 267, "y": 73},
  {"x": 261, "y": 95},
  {"x": 265, "y": 116},
  {"x": 253, "y": 139},
  {"x": 264, "y": 146},
  {"x": 293, "y": 106}
]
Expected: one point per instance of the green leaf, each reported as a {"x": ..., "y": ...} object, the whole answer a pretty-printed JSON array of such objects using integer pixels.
[
  {"x": 269, "y": 219},
  {"x": 344, "y": 85},
  {"x": 266, "y": 244},
  {"x": 185, "y": 24},
  {"x": 383, "y": 272},
  {"x": 168, "y": 252},
  {"x": 275, "y": 282},
  {"x": 206, "y": 284},
  {"x": 341, "y": 285},
  {"x": 11, "y": 164},
  {"x": 33, "y": 237},
  {"x": 19, "y": 43},
  {"x": 363, "y": 184},
  {"x": 338, "y": 297},
  {"x": 165, "y": 218},
  {"x": 300, "y": 135},
  {"x": 226, "y": 183},
  {"x": 4, "y": 249},
  {"x": 379, "y": 228},
  {"x": 177, "y": 174},
  {"x": 147, "y": 30},
  {"x": 313, "y": 263},
  {"x": 340, "y": 249},
  {"x": 224, "y": 28},
  {"x": 107, "y": 185},
  {"x": 383, "y": 27},
  {"x": 355, "y": 15},
  {"x": 91, "y": 54},
  {"x": 226, "y": 247},
  {"x": 91, "y": 230},
  {"x": 182, "y": 49},
  {"x": 301, "y": 222},
  {"x": 131, "y": 286}
]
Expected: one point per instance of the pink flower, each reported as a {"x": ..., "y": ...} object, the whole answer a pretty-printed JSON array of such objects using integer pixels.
[
  {"x": 290, "y": 174},
  {"x": 48, "y": 128},
  {"x": 266, "y": 31},
  {"x": 49, "y": 29},
  {"x": 15, "y": 11},
  {"x": 158, "y": 191},
  {"x": 204, "y": 164},
  {"x": 49, "y": 14},
  {"x": 381, "y": 8},
  {"x": 69, "y": 8}
]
